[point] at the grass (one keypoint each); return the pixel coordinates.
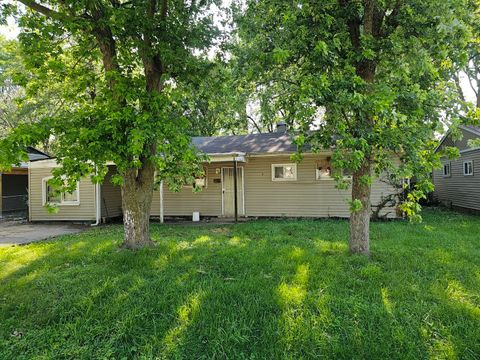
(259, 290)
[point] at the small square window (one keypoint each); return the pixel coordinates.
(284, 172)
(447, 170)
(198, 181)
(468, 168)
(324, 169)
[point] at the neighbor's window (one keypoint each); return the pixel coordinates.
(52, 196)
(284, 172)
(468, 168)
(446, 169)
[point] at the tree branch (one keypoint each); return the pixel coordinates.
(164, 9)
(456, 78)
(44, 10)
(475, 90)
(353, 24)
(392, 19)
(254, 123)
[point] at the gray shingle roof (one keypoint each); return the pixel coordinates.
(34, 154)
(270, 143)
(474, 129)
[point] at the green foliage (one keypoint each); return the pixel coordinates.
(125, 78)
(355, 205)
(257, 290)
(375, 94)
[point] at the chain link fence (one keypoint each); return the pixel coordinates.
(14, 206)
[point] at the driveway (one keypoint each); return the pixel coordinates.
(12, 233)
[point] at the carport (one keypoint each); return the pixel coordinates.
(14, 187)
(14, 191)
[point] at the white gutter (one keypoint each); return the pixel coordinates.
(222, 157)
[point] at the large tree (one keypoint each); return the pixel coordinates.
(372, 76)
(138, 60)
(470, 69)
(13, 108)
(26, 94)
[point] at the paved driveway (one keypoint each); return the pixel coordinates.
(22, 233)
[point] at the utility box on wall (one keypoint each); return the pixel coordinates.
(196, 216)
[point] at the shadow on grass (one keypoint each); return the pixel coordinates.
(268, 289)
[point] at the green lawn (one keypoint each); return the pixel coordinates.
(265, 289)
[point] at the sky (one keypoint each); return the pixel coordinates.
(11, 31)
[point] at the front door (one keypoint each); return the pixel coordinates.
(228, 192)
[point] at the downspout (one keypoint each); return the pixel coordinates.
(98, 207)
(161, 202)
(235, 186)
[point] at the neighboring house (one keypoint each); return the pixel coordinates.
(457, 183)
(269, 184)
(14, 185)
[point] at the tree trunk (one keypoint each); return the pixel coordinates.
(359, 242)
(137, 192)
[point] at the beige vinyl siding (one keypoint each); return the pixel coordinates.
(85, 211)
(111, 197)
(458, 189)
(183, 203)
(305, 197)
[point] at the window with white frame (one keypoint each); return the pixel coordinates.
(468, 168)
(447, 170)
(198, 182)
(52, 196)
(284, 172)
(325, 171)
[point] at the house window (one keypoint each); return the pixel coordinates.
(324, 169)
(198, 182)
(347, 173)
(284, 172)
(52, 196)
(447, 170)
(468, 168)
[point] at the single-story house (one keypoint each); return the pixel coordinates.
(268, 183)
(14, 185)
(457, 183)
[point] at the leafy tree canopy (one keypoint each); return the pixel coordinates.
(373, 76)
(131, 68)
